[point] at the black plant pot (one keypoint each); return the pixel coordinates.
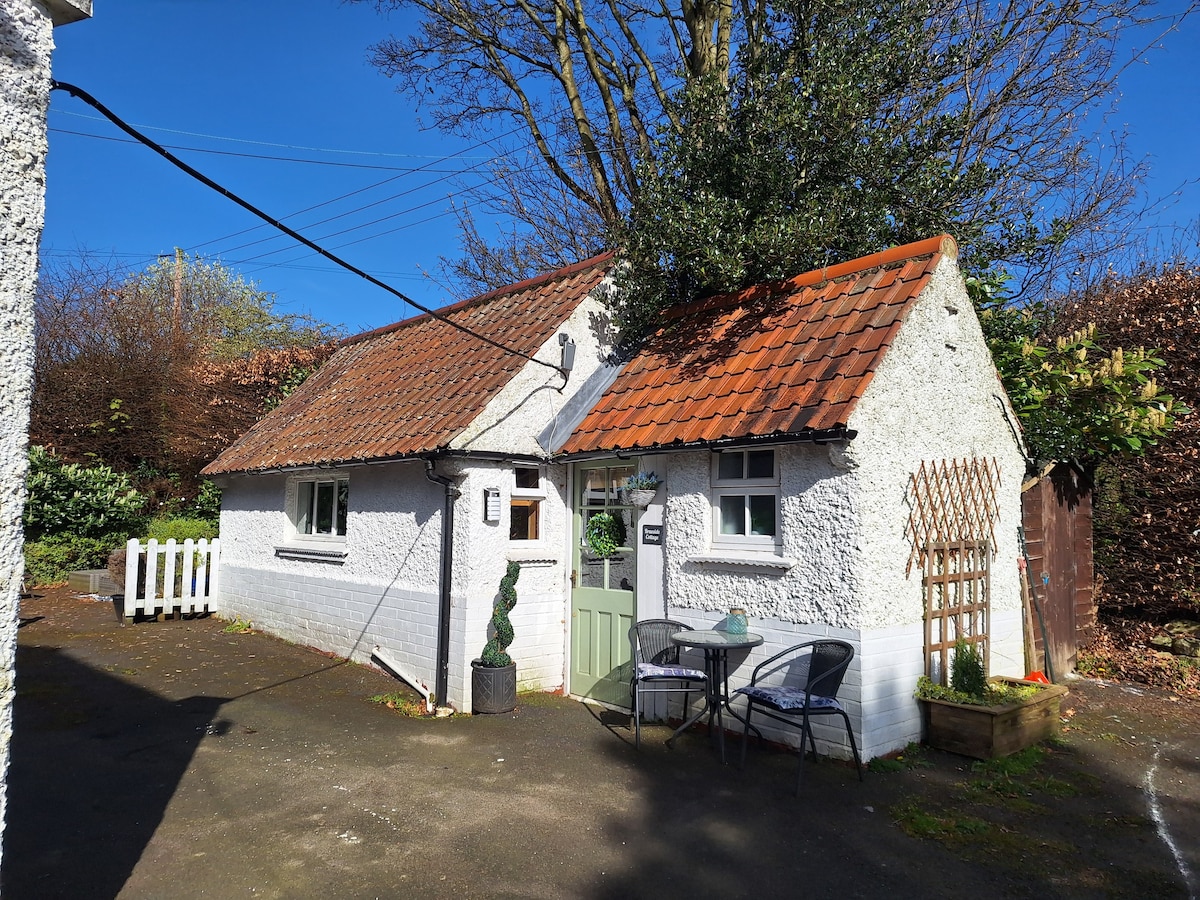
(493, 690)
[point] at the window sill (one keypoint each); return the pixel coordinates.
(333, 553)
(532, 557)
(737, 560)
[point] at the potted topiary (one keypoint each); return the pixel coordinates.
(494, 674)
(986, 717)
(640, 488)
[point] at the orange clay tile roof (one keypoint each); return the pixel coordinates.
(410, 388)
(774, 361)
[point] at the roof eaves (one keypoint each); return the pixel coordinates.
(834, 434)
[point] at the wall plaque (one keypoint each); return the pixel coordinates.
(652, 534)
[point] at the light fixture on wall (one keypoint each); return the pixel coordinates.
(491, 504)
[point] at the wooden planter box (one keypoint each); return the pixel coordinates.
(985, 732)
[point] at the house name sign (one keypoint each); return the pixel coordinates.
(652, 534)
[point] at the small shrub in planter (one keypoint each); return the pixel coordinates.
(987, 717)
(494, 674)
(966, 671)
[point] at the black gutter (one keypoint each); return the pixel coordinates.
(837, 434)
(442, 675)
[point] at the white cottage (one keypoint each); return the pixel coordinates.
(836, 453)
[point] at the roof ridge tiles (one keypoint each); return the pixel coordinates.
(903, 253)
(553, 278)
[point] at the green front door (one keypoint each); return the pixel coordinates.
(602, 596)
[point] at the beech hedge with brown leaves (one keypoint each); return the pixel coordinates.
(1147, 508)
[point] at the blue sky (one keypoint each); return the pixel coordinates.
(289, 79)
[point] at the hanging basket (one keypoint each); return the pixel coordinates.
(641, 497)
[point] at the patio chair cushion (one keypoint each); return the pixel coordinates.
(650, 670)
(788, 698)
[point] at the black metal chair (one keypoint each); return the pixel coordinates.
(827, 664)
(656, 668)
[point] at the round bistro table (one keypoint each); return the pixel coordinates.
(716, 646)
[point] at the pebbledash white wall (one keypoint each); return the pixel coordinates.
(382, 586)
(384, 590)
(26, 43)
(482, 552)
(844, 509)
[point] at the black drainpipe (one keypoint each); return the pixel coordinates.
(441, 687)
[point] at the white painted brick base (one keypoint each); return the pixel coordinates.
(339, 617)
(878, 689)
(349, 619)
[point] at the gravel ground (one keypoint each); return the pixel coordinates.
(170, 759)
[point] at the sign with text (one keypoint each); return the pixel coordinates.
(652, 534)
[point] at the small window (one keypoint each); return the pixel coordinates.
(745, 497)
(525, 504)
(321, 507)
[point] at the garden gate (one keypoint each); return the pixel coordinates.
(163, 579)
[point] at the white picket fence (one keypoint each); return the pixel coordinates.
(174, 578)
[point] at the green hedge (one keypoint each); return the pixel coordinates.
(69, 499)
(50, 560)
(181, 529)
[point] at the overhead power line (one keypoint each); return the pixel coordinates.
(234, 140)
(91, 101)
(388, 180)
(294, 159)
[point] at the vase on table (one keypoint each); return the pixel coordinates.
(736, 623)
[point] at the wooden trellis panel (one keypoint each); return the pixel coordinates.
(951, 526)
(952, 500)
(957, 585)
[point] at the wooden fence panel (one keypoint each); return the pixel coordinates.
(172, 578)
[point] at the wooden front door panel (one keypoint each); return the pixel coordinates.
(602, 596)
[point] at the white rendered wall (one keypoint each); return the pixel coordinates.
(844, 511)
(814, 596)
(386, 589)
(936, 396)
(26, 42)
(482, 551)
(820, 528)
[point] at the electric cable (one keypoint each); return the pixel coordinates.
(87, 98)
(366, 206)
(370, 237)
(146, 259)
(312, 162)
(234, 140)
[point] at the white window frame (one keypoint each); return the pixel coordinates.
(533, 496)
(745, 487)
(298, 519)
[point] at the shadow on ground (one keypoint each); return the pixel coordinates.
(94, 763)
(173, 760)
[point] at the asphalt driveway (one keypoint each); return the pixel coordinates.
(174, 760)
